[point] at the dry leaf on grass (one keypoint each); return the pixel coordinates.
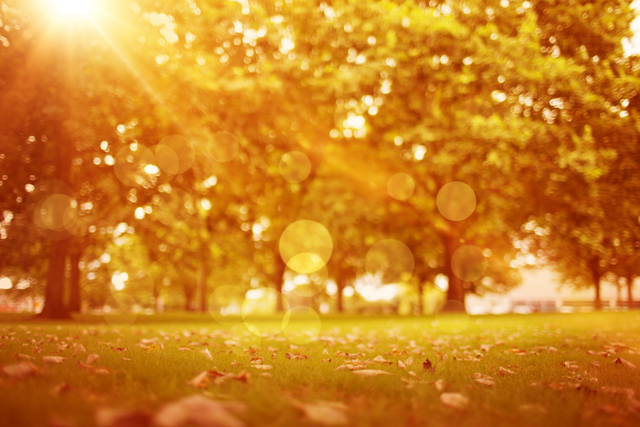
(92, 358)
(381, 359)
(441, 385)
(199, 411)
(263, 367)
(483, 379)
(572, 366)
(454, 400)
(322, 412)
(409, 361)
(504, 371)
(179, 348)
(21, 370)
(23, 357)
(113, 417)
(427, 366)
(401, 365)
(60, 389)
(53, 360)
(532, 407)
(206, 353)
(625, 363)
(365, 373)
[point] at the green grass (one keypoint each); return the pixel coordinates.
(152, 378)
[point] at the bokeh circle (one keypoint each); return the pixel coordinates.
(456, 201)
(305, 246)
(294, 166)
(392, 259)
(469, 263)
(260, 314)
(401, 186)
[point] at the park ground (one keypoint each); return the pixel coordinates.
(534, 370)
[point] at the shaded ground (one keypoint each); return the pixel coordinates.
(493, 371)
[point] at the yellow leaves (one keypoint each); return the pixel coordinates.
(454, 400)
(367, 373)
(323, 412)
(295, 356)
(21, 370)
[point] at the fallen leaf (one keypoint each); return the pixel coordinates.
(179, 348)
(370, 373)
(401, 365)
(21, 370)
(532, 407)
(201, 380)
(92, 358)
(53, 360)
(60, 389)
(112, 417)
(206, 353)
(441, 385)
(625, 363)
(409, 361)
(427, 366)
(263, 367)
(199, 411)
(454, 400)
(266, 375)
(380, 359)
(483, 379)
(322, 412)
(505, 371)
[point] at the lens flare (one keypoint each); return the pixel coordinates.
(391, 259)
(469, 263)
(305, 246)
(401, 186)
(295, 167)
(456, 201)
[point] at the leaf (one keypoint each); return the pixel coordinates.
(92, 358)
(427, 366)
(380, 359)
(179, 348)
(504, 371)
(454, 400)
(323, 412)
(53, 360)
(441, 385)
(199, 411)
(409, 361)
(112, 417)
(153, 347)
(21, 370)
(366, 373)
(263, 367)
(401, 365)
(201, 380)
(483, 379)
(60, 389)
(621, 361)
(206, 353)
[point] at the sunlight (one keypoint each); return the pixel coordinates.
(71, 7)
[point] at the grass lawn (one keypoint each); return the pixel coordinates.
(523, 381)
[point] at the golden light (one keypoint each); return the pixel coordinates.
(71, 7)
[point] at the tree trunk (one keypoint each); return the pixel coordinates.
(202, 286)
(54, 307)
(341, 283)
(74, 283)
(420, 297)
(455, 292)
(595, 275)
(188, 297)
(630, 291)
(278, 277)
